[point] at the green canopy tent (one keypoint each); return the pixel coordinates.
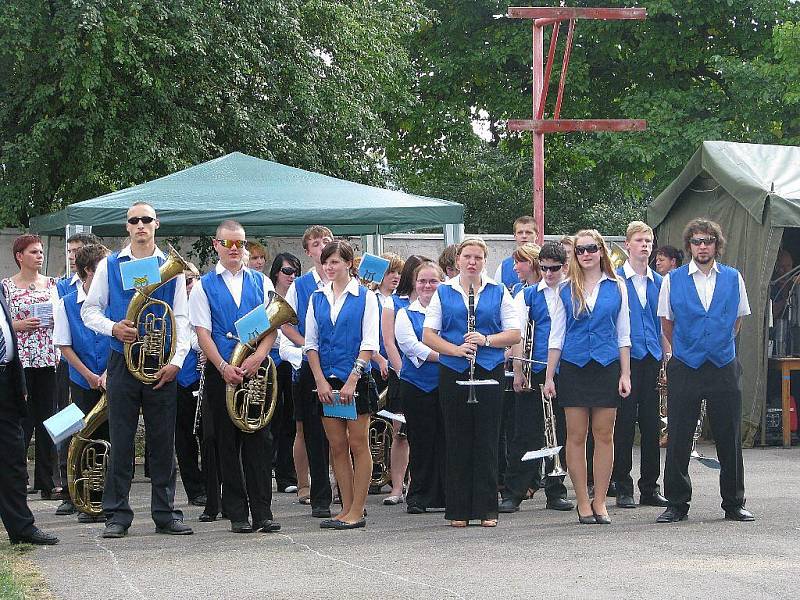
(266, 197)
(753, 192)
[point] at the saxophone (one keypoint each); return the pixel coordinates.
(87, 461)
(156, 344)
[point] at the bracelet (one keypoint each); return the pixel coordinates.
(359, 366)
(486, 341)
(222, 364)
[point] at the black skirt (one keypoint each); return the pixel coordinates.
(589, 386)
(366, 400)
(394, 397)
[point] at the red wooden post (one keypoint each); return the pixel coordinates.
(538, 137)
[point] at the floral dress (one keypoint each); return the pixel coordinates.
(36, 347)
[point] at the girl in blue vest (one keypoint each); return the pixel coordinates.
(419, 385)
(472, 430)
(404, 294)
(340, 337)
(592, 328)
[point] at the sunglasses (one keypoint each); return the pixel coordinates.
(590, 248)
(145, 220)
(289, 271)
(706, 240)
(551, 268)
(232, 243)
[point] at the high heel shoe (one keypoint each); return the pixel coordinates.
(600, 519)
(588, 520)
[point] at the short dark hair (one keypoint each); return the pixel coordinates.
(84, 238)
(22, 242)
(553, 251)
(707, 226)
(277, 263)
(343, 249)
(407, 281)
(448, 257)
(671, 252)
(86, 258)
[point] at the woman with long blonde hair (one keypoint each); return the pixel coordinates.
(591, 326)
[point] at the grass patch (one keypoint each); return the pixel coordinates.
(19, 578)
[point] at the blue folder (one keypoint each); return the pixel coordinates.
(252, 325)
(139, 272)
(339, 410)
(64, 423)
(372, 268)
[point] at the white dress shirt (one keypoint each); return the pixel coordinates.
(410, 345)
(369, 323)
(200, 309)
(509, 318)
(639, 281)
(291, 293)
(704, 284)
(96, 302)
(7, 332)
(289, 352)
(287, 349)
(558, 318)
(554, 306)
(62, 336)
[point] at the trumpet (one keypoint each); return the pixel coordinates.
(550, 439)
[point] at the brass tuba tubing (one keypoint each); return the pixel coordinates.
(87, 461)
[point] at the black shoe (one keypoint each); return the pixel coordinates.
(739, 514)
(339, 525)
(588, 520)
(241, 527)
(32, 490)
(508, 506)
(612, 490)
(49, 495)
(559, 504)
(66, 508)
(37, 536)
(84, 518)
(198, 500)
(207, 518)
(175, 527)
(114, 530)
(328, 523)
(672, 515)
(655, 499)
(414, 510)
(601, 519)
(321, 513)
(626, 501)
(268, 526)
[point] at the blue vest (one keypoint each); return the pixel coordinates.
(224, 312)
(189, 373)
(339, 344)
(382, 350)
(487, 322)
(508, 275)
(426, 376)
(645, 324)
(540, 314)
(593, 334)
(92, 348)
(118, 299)
(697, 335)
(303, 287)
(275, 355)
(64, 286)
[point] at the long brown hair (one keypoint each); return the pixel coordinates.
(577, 282)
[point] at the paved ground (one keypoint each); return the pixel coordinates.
(535, 553)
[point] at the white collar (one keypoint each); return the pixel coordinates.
(317, 278)
(219, 269)
(74, 279)
(627, 268)
(455, 283)
(353, 288)
(417, 307)
(81, 294)
(126, 251)
(693, 268)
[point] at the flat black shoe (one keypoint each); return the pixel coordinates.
(414, 510)
(84, 518)
(507, 506)
(37, 536)
(175, 527)
(672, 515)
(653, 500)
(241, 527)
(626, 501)
(328, 523)
(339, 525)
(66, 508)
(268, 526)
(207, 518)
(114, 530)
(588, 520)
(559, 504)
(739, 514)
(321, 513)
(198, 500)
(32, 490)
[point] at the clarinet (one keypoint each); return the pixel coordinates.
(471, 398)
(198, 411)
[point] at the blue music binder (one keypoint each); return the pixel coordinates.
(252, 325)
(339, 410)
(64, 423)
(139, 272)
(372, 268)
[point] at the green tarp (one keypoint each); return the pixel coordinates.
(753, 192)
(266, 197)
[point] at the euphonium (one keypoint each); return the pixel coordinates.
(617, 256)
(380, 446)
(155, 321)
(87, 460)
(252, 403)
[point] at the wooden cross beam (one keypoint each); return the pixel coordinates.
(538, 125)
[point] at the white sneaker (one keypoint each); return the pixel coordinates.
(393, 500)
(290, 489)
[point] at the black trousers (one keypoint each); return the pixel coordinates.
(283, 429)
(720, 388)
(472, 432)
(210, 460)
(244, 459)
(126, 396)
(528, 434)
(187, 447)
(86, 400)
(427, 446)
(41, 384)
(506, 433)
(642, 407)
(309, 411)
(62, 401)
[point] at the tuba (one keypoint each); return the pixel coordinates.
(252, 403)
(87, 461)
(380, 447)
(155, 321)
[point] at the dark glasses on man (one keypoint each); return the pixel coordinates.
(551, 268)
(289, 271)
(704, 240)
(145, 220)
(590, 248)
(232, 243)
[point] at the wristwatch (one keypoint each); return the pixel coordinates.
(486, 341)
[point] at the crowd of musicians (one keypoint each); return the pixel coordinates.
(561, 348)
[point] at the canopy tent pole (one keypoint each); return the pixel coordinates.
(373, 243)
(453, 233)
(69, 231)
